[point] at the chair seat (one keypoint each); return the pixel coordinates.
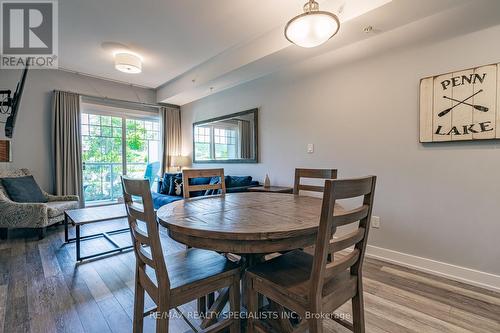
(57, 208)
(289, 275)
(187, 267)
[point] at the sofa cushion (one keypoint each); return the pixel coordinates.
(236, 181)
(176, 187)
(163, 199)
(213, 181)
(23, 189)
(167, 182)
(57, 208)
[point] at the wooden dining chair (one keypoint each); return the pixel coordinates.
(309, 284)
(175, 279)
(188, 174)
(314, 174)
(204, 303)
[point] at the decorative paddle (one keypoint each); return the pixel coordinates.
(477, 107)
(445, 112)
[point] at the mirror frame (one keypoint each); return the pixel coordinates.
(228, 116)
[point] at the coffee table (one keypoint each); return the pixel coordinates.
(83, 216)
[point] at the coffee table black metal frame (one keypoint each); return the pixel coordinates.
(69, 217)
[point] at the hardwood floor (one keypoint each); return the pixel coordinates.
(43, 290)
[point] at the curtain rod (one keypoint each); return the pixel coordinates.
(122, 101)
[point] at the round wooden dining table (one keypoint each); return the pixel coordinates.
(250, 224)
(244, 223)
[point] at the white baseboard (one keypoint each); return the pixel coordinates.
(457, 273)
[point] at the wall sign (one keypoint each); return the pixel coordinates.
(462, 105)
(5, 151)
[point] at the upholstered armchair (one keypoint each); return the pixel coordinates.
(31, 215)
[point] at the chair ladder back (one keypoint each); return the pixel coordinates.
(148, 239)
(330, 220)
(312, 174)
(188, 174)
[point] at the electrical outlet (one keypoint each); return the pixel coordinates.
(376, 222)
(310, 148)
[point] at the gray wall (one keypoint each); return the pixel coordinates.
(438, 201)
(32, 141)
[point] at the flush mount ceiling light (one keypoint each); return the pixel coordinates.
(128, 63)
(313, 27)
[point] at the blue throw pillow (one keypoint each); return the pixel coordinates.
(167, 182)
(227, 180)
(240, 181)
(23, 189)
(176, 187)
(213, 181)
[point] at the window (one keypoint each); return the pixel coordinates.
(202, 139)
(225, 143)
(114, 145)
(215, 142)
(143, 145)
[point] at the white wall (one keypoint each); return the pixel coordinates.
(32, 141)
(437, 201)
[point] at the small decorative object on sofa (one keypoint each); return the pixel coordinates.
(29, 212)
(171, 185)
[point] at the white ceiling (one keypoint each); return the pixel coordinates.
(172, 36)
(223, 43)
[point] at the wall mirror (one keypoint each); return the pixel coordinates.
(227, 139)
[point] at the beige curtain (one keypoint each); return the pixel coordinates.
(67, 144)
(171, 133)
(245, 139)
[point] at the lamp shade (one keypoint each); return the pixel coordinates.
(128, 63)
(180, 161)
(313, 27)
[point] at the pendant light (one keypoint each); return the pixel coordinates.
(313, 27)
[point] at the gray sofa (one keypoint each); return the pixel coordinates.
(31, 215)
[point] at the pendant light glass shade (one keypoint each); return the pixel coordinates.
(313, 27)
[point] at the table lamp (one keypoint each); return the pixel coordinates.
(5, 151)
(179, 162)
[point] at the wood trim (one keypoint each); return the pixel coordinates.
(426, 106)
(312, 174)
(193, 188)
(347, 240)
(311, 188)
(351, 216)
(137, 214)
(147, 284)
(332, 269)
(140, 235)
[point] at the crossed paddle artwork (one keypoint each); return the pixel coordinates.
(462, 105)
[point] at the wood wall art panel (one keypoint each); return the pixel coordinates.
(4, 151)
(462, 105)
